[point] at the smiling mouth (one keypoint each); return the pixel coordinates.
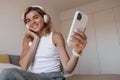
(34, 26)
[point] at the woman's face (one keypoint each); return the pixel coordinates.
(34, 21)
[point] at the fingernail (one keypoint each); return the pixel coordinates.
(72, 34)
(70, 38)
(68, 44)
(75, 30)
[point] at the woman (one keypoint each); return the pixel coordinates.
(44, 49)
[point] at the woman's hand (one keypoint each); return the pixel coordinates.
(28, 51)
(32, 34)
(78, 41)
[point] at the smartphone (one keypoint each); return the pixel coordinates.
(79, 22)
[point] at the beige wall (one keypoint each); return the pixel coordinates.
(11, 25)
(101, 55)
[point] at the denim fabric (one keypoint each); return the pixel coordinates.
(16, 74)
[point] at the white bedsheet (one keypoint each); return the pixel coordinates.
(6, 65)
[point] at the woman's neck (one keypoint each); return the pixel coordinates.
(40, 33)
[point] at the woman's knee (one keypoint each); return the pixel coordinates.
(4, 74)
(7, 72)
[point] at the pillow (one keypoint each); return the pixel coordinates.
(4, 58)
(6, 65)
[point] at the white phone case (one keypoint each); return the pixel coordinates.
(79, 22)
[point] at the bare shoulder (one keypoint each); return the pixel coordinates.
(57, 37)
(57, 34)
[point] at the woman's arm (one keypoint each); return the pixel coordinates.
(27, 51)
(78, 43)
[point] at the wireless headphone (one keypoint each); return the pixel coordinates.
(45, 16)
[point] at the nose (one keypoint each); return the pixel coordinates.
(32, 21)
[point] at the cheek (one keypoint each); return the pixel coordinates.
(41, 20)
(41, 23)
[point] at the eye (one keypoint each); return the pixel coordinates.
(36, 17)
(27, 21)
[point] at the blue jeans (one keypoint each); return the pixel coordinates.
(16, 74)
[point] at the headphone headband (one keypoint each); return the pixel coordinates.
(40, 7)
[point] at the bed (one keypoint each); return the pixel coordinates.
(11, 61)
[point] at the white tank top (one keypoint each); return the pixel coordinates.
(47, 57)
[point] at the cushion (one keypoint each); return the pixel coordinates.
(4, 58)
(14, 59)
(7, 65)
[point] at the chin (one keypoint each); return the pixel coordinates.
(35, 30)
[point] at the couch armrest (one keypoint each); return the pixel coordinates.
(14, 59)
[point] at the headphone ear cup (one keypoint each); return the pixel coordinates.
(46, 18)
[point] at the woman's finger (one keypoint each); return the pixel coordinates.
(77, 32)
(79, 38)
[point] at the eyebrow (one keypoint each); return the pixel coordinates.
(36, 15)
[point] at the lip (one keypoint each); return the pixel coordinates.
(34, 27)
